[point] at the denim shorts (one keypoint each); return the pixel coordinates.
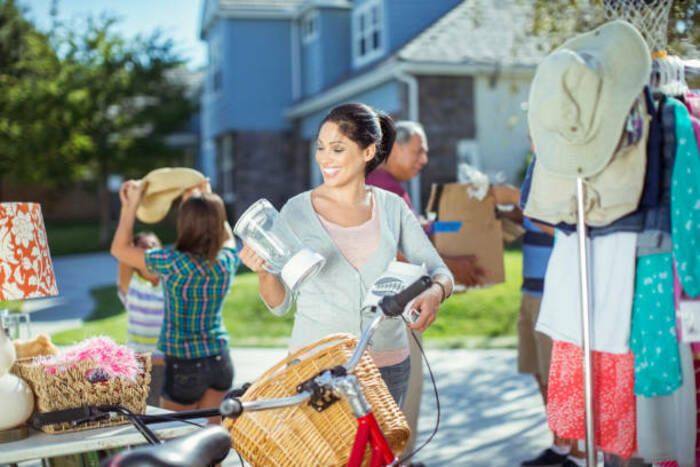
(186, 380)
(396, 379)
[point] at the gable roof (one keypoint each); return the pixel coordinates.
(475, 36)
(480, 32)
(249, 9)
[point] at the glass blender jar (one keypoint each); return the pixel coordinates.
(261, 228)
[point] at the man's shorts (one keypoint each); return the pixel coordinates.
(534, 348)
(186, 380)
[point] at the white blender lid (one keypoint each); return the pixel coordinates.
(304, 264)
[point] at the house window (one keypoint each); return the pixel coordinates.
(368, 32)
(215, 74)
(309, 27)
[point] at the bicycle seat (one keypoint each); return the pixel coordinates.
(204, 447)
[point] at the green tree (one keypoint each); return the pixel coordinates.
(83, 102)
(559, 19)
(122, 101)
(27, 66)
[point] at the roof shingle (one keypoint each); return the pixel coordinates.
(480, 31)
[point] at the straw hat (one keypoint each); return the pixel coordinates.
(581, 95)
(162, 187)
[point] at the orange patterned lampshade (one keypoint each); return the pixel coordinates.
(26, 270)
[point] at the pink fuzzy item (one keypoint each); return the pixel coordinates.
(116, 360)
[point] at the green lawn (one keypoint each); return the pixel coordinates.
(11, 305)
(476, 318)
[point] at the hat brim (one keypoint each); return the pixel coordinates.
(626, 66)
(163, 186)
(153, 208)
(167, 178)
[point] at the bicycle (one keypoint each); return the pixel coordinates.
(212, 444)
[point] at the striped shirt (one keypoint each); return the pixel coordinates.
(194, 297)
(537, 247)
(144, 310)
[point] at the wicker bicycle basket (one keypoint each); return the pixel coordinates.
(300, 435)
(67, 387)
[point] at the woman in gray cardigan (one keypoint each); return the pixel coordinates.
(359, 230)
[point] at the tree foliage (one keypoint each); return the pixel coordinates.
(83, 102)
(27, 66)
(559, 19)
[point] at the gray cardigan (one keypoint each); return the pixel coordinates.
(330, 302)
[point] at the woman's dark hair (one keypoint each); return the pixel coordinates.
(365, 126)
(200, 226)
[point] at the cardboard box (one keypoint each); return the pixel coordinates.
(466, 225)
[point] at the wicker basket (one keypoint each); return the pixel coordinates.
(69, 388)
(301, 436)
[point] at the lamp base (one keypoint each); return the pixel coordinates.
(14, 434)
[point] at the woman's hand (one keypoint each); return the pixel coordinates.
(427, 304)
(130, 193)
(251, 259)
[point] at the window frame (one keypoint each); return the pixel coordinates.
(371, 29)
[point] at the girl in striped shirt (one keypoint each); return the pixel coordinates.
(142, 295)
(141, 292)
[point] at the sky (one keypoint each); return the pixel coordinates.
(177, 19)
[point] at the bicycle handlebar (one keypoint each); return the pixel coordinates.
(393, 305)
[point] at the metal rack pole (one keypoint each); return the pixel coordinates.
(591, 459)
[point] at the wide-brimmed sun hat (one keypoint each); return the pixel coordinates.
(581, 95)
(162, 187)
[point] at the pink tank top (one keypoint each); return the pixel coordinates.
(357, 242)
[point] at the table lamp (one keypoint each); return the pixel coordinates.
(26, 271)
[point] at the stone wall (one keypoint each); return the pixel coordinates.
(270, 165)
(446, 107)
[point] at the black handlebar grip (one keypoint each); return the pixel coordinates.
(393, 305)
(231, 407)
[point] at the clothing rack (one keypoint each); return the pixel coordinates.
(691, 67)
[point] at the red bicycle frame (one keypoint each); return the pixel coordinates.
(369, 433)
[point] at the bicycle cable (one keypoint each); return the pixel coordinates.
(240, 458)
(437, 400)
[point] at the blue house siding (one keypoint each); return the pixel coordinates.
(404, 19)
(336, 51)
(326, 58)
(258, 73)
(311, 66)
(385, 97)
(256, 66)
